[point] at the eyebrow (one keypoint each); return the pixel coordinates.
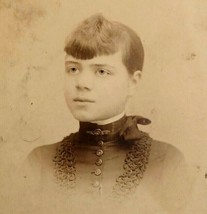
(103, 65)
(96, 64)
(72, 62)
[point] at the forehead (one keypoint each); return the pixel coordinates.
(114, 60)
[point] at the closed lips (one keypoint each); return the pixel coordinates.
(83, 100)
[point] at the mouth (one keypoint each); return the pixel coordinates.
(83, 100)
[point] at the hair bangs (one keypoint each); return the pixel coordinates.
(84, 48)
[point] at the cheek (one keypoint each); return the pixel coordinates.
(66, 91)
(68, 88)
(68, 97)
(115, 92)
(121, 87)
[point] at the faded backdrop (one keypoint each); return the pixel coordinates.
(172, 92)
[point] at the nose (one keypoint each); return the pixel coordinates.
(85, 81)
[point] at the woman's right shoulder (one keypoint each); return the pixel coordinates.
(45, 153)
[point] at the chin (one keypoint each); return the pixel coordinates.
(84, 118)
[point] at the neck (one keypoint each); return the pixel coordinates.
(110, 120)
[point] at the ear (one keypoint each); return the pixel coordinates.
(134, 82)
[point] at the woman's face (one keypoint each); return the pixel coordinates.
(98, 88)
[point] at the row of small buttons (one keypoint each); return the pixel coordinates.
(99, 161)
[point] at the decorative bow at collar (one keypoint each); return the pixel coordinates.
(125, 128)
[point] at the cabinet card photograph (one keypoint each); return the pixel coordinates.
(103, 107)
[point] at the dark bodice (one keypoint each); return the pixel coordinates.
(111, 161)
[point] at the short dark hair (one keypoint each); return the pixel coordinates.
(98, 36)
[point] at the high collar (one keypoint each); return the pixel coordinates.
(124, 129)
(92, 132)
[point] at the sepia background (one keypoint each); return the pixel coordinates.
(172, 92)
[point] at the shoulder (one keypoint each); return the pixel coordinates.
(166, 159)
(39, 163)
(161, 151)
(44, 154)
(167, 176)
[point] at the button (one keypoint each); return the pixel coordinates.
(97, 172)
(99, 152)
(100, 143)
(99, 162)
(97, 132)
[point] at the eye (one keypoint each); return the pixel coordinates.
(103, 72)
(72, 70)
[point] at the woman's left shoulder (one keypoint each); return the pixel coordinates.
(165, 152)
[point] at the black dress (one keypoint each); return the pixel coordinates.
(114, 164)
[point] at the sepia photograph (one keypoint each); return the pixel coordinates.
(103, 107)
